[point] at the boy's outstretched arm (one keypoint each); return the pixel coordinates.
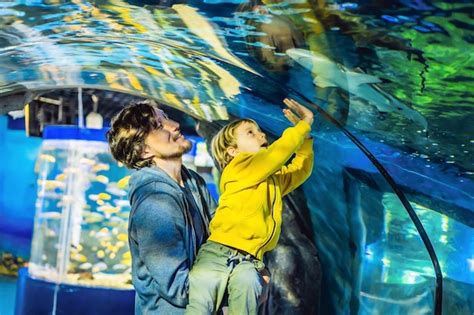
(254, 168)
(300, 168)
(297, 172)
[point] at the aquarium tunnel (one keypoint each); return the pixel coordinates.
(384, 224)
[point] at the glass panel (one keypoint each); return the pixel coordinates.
(80, 234)
(454, 245)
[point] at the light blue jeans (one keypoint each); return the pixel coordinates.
(218, 267)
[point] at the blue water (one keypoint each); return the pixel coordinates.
(7, 293)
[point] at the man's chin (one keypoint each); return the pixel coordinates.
(187, 146)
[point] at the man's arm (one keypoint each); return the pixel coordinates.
(159, 226)
(300, 168)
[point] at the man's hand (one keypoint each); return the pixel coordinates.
(266, 286)
(296, 112)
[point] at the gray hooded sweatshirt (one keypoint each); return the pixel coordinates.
(162, 238)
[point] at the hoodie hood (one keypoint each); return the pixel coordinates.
(146, 180)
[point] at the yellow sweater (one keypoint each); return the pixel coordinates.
(252, 186)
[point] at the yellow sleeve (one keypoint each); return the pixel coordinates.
(300, 168)
(254, 168)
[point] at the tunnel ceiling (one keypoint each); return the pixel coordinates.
(398, 72)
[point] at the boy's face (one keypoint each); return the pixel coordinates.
(166, 142)
(249, 138)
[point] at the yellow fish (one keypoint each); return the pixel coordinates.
(79, 257)
(60, 177)
(122, 237)
(102, 179)
(51, 184)
(101, 167)
(123, 183)
(47, 158)
(107, 208)
(104, 196)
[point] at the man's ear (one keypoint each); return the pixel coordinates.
(146, 154)
(232, 151)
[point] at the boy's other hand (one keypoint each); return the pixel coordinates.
(296, 112)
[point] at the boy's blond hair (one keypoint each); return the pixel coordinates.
(224, 139)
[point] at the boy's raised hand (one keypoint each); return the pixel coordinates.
(296, 112)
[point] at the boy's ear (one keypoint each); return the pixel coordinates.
(232, 151)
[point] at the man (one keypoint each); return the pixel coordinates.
(171, 206)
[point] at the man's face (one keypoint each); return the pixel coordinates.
(166, 141)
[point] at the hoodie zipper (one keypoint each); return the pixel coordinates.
(273, 219)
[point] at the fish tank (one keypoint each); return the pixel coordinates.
(81, 221)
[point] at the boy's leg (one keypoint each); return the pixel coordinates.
(245, 287)
(207, 280)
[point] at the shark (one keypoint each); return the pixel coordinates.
(328, 73)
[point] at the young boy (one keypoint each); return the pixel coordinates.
(247, 222)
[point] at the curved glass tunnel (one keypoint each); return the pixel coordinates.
(397, 76)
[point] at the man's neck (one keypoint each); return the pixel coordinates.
(172, 167)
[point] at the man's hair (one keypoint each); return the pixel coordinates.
(128, 131)
(224, 139)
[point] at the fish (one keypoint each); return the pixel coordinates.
(114, 190)
(60, 177)
(50, 215)
(122, 237)
(100, 167)
(99, 267)
(104, 196)
(122, 203)
(119, 267)
(85, 266)
(102, 179)
(328, 73)
(47, 158)
(107, 208)
(116, 221)
(123, 183)
(92, 217)
(51, 184)
(78, 257)
(202, 28)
